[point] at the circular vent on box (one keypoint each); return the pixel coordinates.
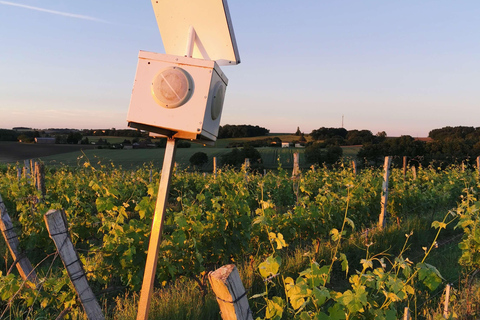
(217, 101)
(172, 87)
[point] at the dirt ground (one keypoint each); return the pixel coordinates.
(16, 151)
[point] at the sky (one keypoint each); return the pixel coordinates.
(403, 67)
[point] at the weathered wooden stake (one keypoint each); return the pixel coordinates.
(414, 171)
(296, 165)
(247, 165)
(150, 179)
(354, 167)
(56, 222)
(26, 172)
(447, 299)
(230, 293)
(215, 168)
(478, 165)
(406, 314)
(40, 178)
(383, 214)
(19, 173)
(156, 234)
(24, 267)
(463, 166)
(404, 167)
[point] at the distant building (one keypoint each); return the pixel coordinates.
(285, 144)
(45, 140)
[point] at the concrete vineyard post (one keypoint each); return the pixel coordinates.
(156, 234)
(230, 292)
(56, 222)
(384, 199)
(24, 267)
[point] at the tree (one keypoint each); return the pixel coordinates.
(198, 159)
(298, 132)
(318, 154)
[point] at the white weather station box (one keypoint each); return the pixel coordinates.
(180, 94)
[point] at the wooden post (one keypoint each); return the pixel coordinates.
(414, 171)
(463, 166)
(406, 314)
(354, 167)
(386, 176)
(24, 267)
(404, 167)
(150, 179)
(32, 170)
(215, 168)
(156, 234)
(230, 293)
(26, 170)
(478, 165)
(19, 173)
(296, 165)
(447, 299)
(56, 222)
(40, 178)
(247, 165)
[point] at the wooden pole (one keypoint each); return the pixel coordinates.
(384, 199)
(26, 170)
(406, 314)
(354, 167)
(247, 165)
(24, 267)
(56, 222)
(404, 167)
(215, 168)
(447, 299)
(478, 165)
(414, 171)
(296, 165)
(19, 173)
(40, 173)
(156, 234)
(230, 293)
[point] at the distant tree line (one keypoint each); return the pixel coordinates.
(241, 131)
(449, 145)
(342, 137)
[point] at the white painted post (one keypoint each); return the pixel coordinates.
(447, 299)
(156, 234)
(24, 267)
(56, 222)
(383, 214)
(230, 292)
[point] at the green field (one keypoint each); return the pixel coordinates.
(72, 155)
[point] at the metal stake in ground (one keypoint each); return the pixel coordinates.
(156, 234)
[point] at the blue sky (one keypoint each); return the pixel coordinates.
(404, 67)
